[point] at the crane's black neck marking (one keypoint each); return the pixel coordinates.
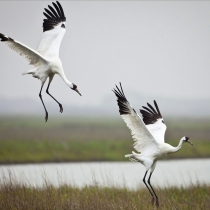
(74, 87)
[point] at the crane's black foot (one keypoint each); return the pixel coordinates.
(61, 108)
(153, 201)
(157, 203)
(46, 116)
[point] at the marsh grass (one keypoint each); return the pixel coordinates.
(16, 195)
(21, 197)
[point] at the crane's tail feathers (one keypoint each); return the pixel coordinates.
(131, 157)
(133, 160)
(31, 71)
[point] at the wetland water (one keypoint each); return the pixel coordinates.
(129, 174)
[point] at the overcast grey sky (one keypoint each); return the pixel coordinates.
(158, 48)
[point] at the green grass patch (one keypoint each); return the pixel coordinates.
(23, 151)
(30, 140)
(53, 151)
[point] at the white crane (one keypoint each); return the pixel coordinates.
(148, 134)
(45, 58)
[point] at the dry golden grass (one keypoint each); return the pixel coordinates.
(95, 198)
(22, 197)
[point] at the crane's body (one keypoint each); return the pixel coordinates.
(45, 58)
(149, 157)
(148, 133)
(51, 67)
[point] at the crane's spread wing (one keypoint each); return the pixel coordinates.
(53, 30)
(154, 121)
(31, 55)
(141, 135)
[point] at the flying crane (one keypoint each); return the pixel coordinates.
(45, 58)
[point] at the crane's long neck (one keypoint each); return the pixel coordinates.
(63, 76)
(175, 149)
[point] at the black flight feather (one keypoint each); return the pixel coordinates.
(122, 101)
(157, 107)
(149, 110)
(49, 18)
(54, 12)
(57, 9)
(5, 38)
(61, 9)
(50, 14)
(54, 16)
(154, 111)
(150, 115)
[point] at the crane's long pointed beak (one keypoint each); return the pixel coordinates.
(78, 92)
(190, 142)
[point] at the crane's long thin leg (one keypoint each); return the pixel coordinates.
(46, 113)
(157, 201)
(148, 188)
(47, 91)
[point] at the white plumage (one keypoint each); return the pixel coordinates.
(45, 58)
(148, 133)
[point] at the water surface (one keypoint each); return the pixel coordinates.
(120, 174)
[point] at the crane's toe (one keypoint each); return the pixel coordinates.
(46, 116)
(61, 108)
(157, 203)
(153, 201)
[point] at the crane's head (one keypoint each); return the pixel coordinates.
(186, 139)
(75, 89)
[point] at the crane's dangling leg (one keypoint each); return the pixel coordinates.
(153, 199)
(157, 201)
(47, 91)
(46, 113)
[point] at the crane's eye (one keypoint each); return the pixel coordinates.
(163, 121)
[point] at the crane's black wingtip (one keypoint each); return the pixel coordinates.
(121, 100)
(2, 37)
(54, 15)
(5, 38)
(150, 114)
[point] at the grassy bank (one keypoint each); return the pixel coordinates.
(25, 140)
(91, 198)
(104, 150)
